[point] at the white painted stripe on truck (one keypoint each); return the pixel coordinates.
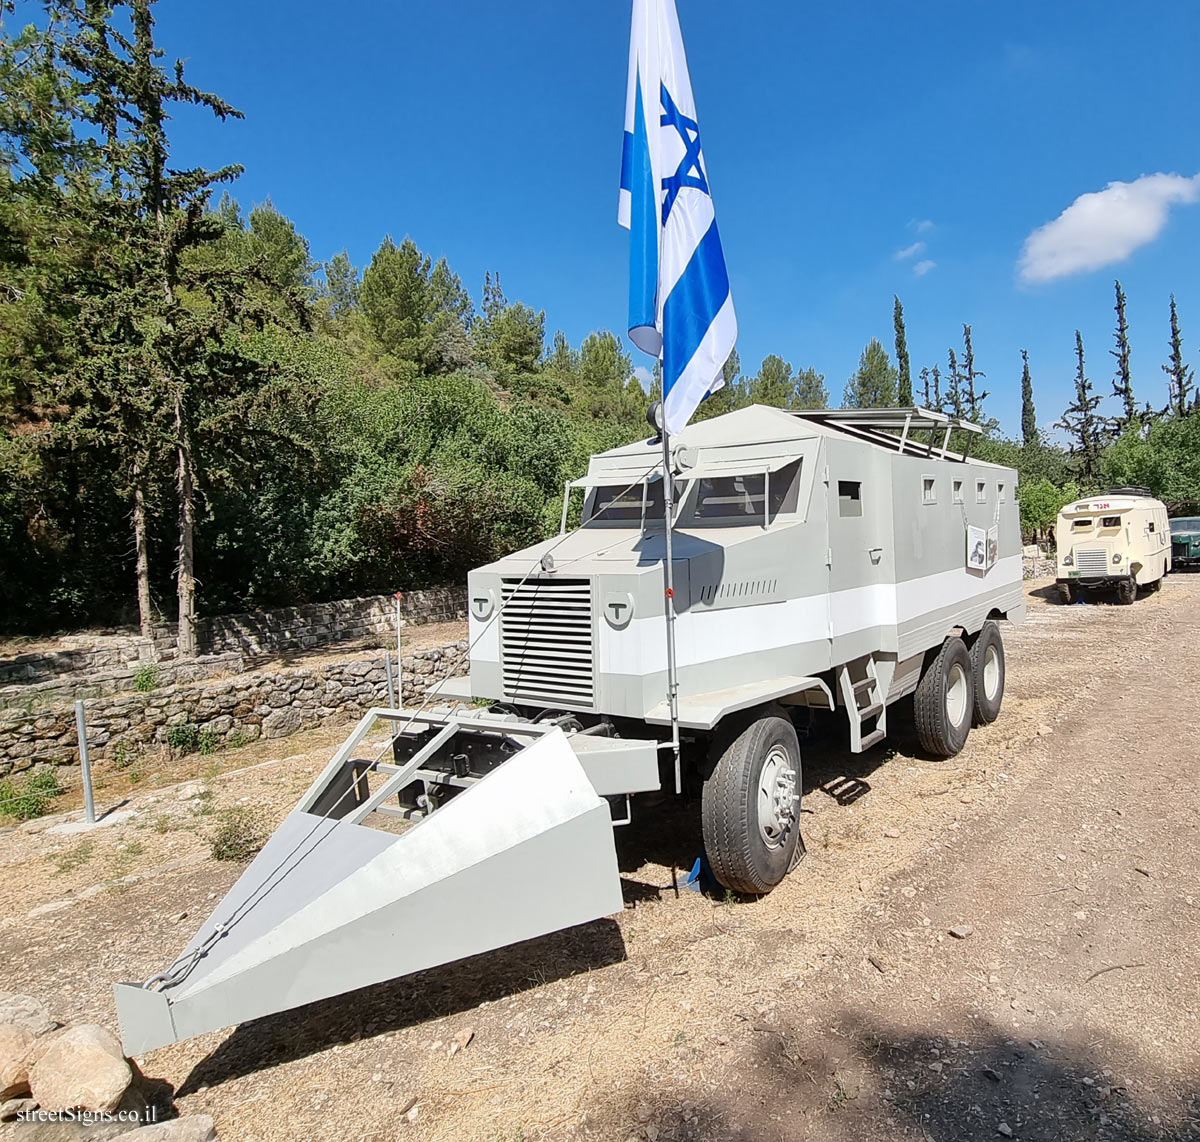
(708, 636)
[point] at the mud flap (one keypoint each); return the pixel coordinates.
(329, 906)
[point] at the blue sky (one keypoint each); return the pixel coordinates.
(836, 136)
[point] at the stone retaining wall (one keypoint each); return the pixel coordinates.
(36, 696)
(366, 622)
(268, 704)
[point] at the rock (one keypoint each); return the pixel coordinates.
(191, 1128)
(14, 1106)
(464, 1037)
(1044, 730)
(891, 834)
(988, 1073)
(280, 723)
(177, 917)
(643, 1113)
(15, 1042)
(1004, 1129)
(190, 790)
(962, 931)
(908, 892)
(83, 1067)
(27, 1012)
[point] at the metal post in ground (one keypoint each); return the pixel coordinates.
(399, 656)
(387, 665)
(89, 803)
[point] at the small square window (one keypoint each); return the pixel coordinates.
(849, 498)
(981, 491)
(928, 490)
(958, 491)
(1000, 493)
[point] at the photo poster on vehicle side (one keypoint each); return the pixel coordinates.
(993, 546)
(976, 549)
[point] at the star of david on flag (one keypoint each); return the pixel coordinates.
(680, 306)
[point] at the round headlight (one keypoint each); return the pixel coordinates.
(1117, 557)
(1068, 560)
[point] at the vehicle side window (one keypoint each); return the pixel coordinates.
(1000, 493)
(1152, 525)
(1111, 521)
(928, 490)
(958, 491)
(981, 491)
(849, 498)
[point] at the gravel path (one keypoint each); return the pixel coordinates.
(1064, 837)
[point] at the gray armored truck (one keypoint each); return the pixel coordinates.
(821, 559)
(834, 560)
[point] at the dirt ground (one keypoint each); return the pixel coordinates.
(840, 1007)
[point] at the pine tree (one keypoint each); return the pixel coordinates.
(974, 400)
(955, 403)
(1179, 375)
(904, 389)
(775, 383)
(161, 378)
(1088, 431)
(1123, 381)
(341, 285)
(1029, 428)
(874, 383)
(808, 390)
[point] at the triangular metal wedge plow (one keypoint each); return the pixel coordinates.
(331, 905)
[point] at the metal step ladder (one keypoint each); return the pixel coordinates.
(864, 699)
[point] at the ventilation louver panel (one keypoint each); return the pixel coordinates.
(1091, 562)
(546, 642)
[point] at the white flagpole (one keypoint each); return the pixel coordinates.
(669, 592)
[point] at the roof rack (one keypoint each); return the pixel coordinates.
(879, 425)
(1130, 490)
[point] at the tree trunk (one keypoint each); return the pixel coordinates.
(186, 633)
(145, 618)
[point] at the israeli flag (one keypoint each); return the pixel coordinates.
(680, 307)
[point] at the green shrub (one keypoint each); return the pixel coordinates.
(185, 737)
(239, 835)
(145, 678)
(124, 755)
(237, 739)
(30, 798)
(44, 780)
(188, 738)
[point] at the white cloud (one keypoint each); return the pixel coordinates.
(910, 251)
(922, 268)
(645, 376)
(1104, 226)
(923, 226)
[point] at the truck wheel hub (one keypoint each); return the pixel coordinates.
(776, 797)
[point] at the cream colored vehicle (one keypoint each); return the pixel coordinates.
(1120, 541)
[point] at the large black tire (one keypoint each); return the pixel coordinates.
(987, 673)
(943, 703)
(1068, 592)
(1126, 591)
(751, 833)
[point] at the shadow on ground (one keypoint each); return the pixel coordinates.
(414, 999)
(861, 1080)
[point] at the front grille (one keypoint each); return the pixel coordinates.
(1181, 548)
(546, 642)
(1091, 562)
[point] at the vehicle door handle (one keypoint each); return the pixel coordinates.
(876, 553)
